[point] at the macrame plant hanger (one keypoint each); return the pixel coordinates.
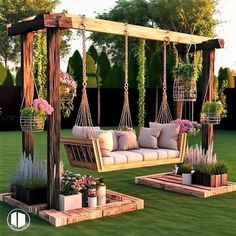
(164, 115)
(126, 120)
(84, 115)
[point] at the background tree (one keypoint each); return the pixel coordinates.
(13, 10)
(178, 15)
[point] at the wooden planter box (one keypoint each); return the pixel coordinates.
(209, 180)
(29, 196)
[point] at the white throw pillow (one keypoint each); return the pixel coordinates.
(148, 137)
(126, 140)
(83, 131)
(169, 135)
(105, 141)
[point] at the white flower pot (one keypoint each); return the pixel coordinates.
(101, 194)
(70, 202)
(92, 201)
(186, 178)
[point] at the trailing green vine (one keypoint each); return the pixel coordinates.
(41, 64)
(141, 83)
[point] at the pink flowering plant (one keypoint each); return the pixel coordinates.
(187, 126)
(40, 109)
(67, 93)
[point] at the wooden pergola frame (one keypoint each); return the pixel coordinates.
(53, 23)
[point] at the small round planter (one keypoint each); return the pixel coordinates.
(92, 201)
(187, 178)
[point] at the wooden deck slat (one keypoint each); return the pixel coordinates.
(171, 182)
(118, 203)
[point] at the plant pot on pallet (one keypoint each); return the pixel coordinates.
(223, 179)
(101, 195)
(92, 201)
(187, 178)
(29, 196)
(70, 202)
(197, 178)
(211, 180)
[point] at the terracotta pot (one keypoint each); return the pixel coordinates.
(223, 181)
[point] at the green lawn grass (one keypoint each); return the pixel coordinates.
(165, 213)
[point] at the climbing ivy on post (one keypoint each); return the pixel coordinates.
(141, 83)
(41, 63)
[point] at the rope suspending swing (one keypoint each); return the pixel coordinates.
(164, 115)
(126, 120)
(84, 115)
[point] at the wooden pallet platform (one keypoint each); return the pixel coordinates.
(117, 203)
(171, 182)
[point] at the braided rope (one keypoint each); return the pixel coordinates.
(164, 115)
(84, 115)
(126, 120)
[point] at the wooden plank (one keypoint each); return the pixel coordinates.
(27, 87)
(170, 182)
(54, 120)
(2, 195)
(210, 44)
(208, 93)
(117, 28)
(102, 26)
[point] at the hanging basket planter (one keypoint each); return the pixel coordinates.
(32, 123)
(210, 118)
(67, 87)
(32, 118)
(212, 112)
(185, 86)
(184, 90)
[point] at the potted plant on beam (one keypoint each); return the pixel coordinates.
(101, 191)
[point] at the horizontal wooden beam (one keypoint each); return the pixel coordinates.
(103, 26)
(117, 28)
(210, 44)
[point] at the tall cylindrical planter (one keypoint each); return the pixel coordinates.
(101, 195)
(92, 201)
(186, 178)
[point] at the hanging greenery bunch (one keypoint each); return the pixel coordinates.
(186, 70)
(141, 83)
(41, 77)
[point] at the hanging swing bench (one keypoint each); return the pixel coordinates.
(87, 153)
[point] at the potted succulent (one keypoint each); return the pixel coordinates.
(185, 77)
(67, 93)
(33, 117)
(70, 197)
(186, 170)
(212, 112)
(101, 191)
(29, 182)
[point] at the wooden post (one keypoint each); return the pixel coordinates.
(208, 75)
(54, 120)
(27, 87)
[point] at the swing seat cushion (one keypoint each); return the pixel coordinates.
(139, 155)
(169, 135)
(148, 137)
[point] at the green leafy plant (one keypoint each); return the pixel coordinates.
(211, 168)
(187, 71)
(141, 83)
(185, 167)
(214, 107)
